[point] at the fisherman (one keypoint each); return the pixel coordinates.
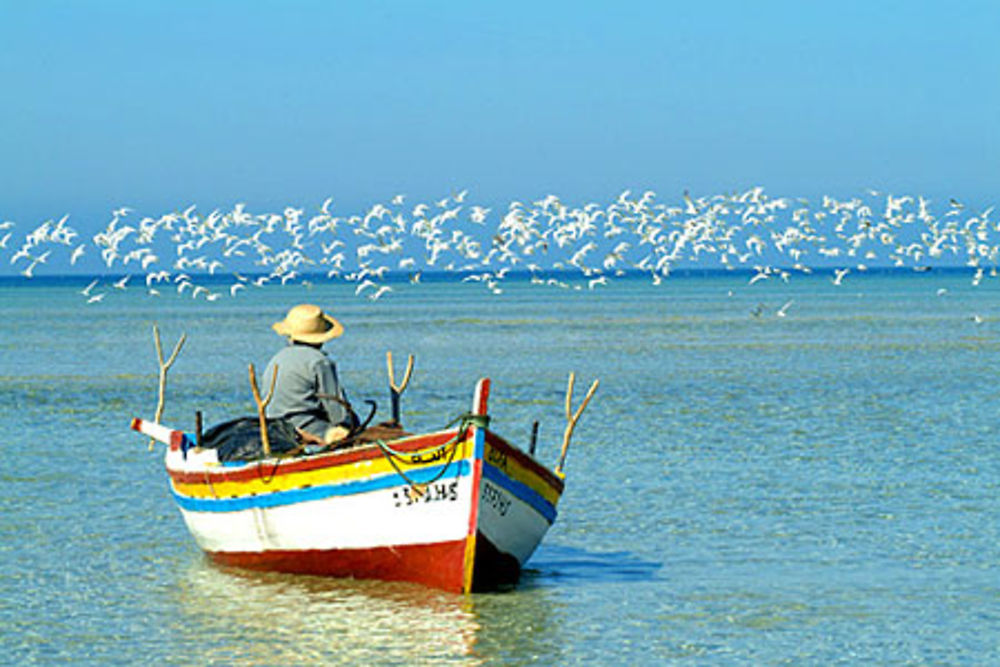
(307, 391)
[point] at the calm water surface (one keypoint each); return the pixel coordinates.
(820, 487)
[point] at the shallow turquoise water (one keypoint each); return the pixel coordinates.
(821, 487)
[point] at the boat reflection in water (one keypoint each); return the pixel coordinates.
(236, 616)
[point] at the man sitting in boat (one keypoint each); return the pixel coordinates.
(307, 391)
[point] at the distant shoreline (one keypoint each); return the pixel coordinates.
(513, 276)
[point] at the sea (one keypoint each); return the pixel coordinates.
(776, 473)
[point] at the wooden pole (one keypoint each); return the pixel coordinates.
(572, 418)
(262, 405)
(197, 428)
(164, 367)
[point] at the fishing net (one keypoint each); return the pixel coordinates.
(239, 439)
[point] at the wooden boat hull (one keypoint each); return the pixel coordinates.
(459, 510)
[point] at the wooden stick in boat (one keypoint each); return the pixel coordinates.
(262, 405)
(164, 367)
(395, 390)
(572, 418)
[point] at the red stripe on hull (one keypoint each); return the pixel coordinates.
(435, 565)
(258, 469)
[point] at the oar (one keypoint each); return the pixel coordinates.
(396, 390)
(262, 405)
(571, 418)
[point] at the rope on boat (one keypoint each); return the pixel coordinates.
(211, 487)
(464, 421)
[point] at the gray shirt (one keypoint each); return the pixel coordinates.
(307, 379)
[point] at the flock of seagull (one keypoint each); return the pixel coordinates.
(221, 253)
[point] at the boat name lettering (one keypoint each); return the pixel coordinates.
(436, 455)
(497, 458)
(442, 491)
(495, 499)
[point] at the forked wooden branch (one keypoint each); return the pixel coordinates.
(262, 406)
(396, 390)
(406, 376)
(164, 367)
(573, 417)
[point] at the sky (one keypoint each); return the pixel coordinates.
(157, 104)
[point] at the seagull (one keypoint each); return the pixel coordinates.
(96, 298)
(20, 254)
(591, 284)
(156, 277)
(783, 311)
(379, 292)
(86, 290)
(76, 254)
(121, 283)
(478, 214)
(838, 275)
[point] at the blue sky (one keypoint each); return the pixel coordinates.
(158, 105)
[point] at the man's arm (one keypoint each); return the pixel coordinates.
(331, 395)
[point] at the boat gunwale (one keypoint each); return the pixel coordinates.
(248, 470)
(526, 460)
(251, 470)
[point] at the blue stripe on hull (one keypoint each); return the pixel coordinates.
(520, 491)
(290, 497)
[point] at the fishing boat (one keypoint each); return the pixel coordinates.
(460, 509)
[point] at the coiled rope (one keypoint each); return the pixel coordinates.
(464, 421)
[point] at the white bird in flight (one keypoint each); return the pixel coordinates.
(377, 294)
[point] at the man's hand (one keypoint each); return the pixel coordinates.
(308, 438)
(335, 434)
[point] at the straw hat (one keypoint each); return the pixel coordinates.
(309, 324)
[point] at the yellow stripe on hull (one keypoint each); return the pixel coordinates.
(266, 483)
(510, 466)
